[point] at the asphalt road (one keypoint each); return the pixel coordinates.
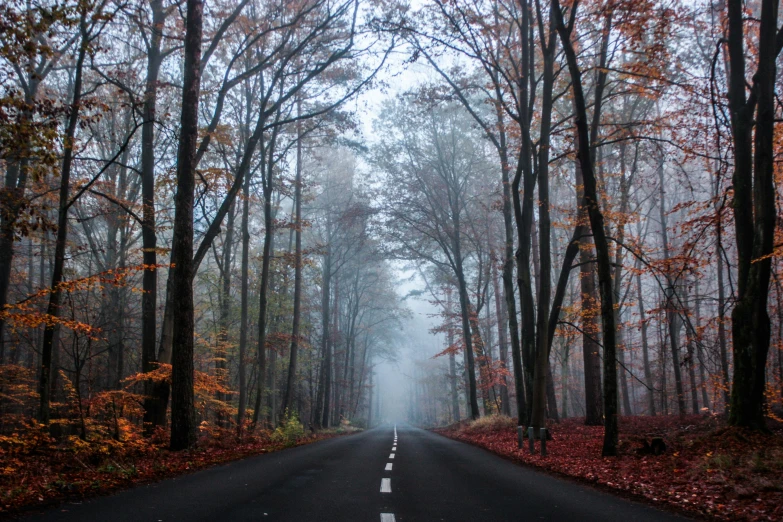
(363, 477)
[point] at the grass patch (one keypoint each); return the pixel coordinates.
(491, 423)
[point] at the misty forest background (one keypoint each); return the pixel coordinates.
(217, 216)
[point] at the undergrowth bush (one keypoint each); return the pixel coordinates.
(290, 429)
(491, 423)
(346, 426)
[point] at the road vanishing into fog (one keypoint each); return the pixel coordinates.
(387, 474)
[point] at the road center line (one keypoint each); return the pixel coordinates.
(394, 448)
(388, 466)
(386, 485)
(391, 456)
(387, 517)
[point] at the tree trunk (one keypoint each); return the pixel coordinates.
(594, 411)
(627, 410)
(482, 358)
(565, 376)
(464, 303)
(599, 235)
(149, 283)
(542, 377)
(294, 351)
(692, 377)
(12, 197)
(648, 380)
(53, 310)
(700, 350)
(161, 390)
(324, 388)
(221, 355)
(625, 186)
(722, 341)
(244, 305)
(672, 310)
(336, 384)
(505, 407)
(508, 293)
(664, 391)
(183, 415)
(369, 402)
(523, 212)
(268, 178)
(754, 208)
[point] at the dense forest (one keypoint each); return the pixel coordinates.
(209, 209)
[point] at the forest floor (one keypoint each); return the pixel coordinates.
(38, 472)
(707, 469)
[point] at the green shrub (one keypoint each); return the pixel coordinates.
(290, 429)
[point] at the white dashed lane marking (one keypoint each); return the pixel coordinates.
(386, 482)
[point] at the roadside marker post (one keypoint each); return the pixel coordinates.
(520, 437)
(531, 435)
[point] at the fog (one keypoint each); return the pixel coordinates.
(416, 346)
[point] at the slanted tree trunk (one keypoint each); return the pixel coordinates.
(594, 410)
(599, 235)
(508, 280)
(464, 303)
(55, 295)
